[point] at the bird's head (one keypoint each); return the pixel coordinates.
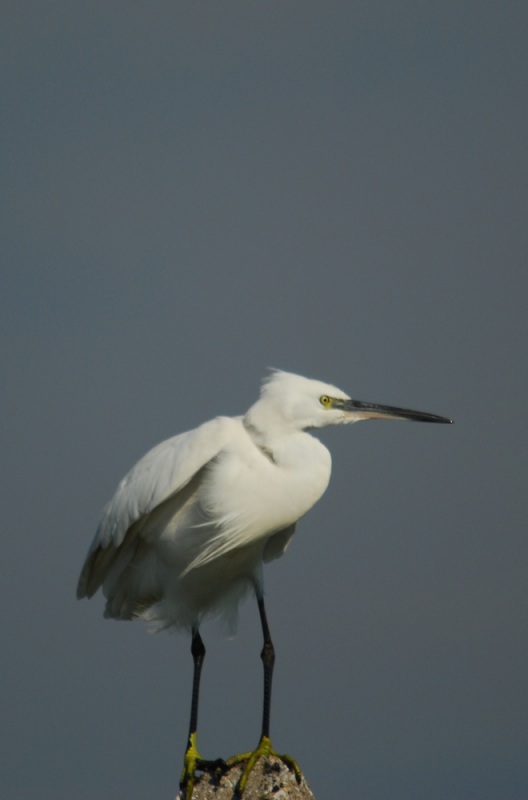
(292, 402)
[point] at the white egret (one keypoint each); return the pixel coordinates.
(189, 528)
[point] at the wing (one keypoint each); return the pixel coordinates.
(161, 473)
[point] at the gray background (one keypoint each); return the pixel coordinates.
(195, 192)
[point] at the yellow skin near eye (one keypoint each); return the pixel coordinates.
(326, 401)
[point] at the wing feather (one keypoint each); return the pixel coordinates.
(161, 473)
(227, 541)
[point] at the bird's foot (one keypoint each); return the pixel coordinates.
(193, 763)
(263, 750)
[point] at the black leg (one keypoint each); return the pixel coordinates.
(264, 748)
(198, 654)
(192, 760)
(268, 659)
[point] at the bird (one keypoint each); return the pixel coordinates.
(190, 527)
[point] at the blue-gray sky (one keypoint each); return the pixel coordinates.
(194, 192)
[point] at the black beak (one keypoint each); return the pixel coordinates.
(360, 410)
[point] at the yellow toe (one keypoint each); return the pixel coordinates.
(263, 750)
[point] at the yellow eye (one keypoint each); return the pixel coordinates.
(325, 401)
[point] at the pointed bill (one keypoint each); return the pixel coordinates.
(359, 410)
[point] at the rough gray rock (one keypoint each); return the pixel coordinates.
(269, 780)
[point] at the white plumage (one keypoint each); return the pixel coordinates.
(190, 526)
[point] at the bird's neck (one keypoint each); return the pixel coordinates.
(264, 427)
(263, 438)
(278, 441)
